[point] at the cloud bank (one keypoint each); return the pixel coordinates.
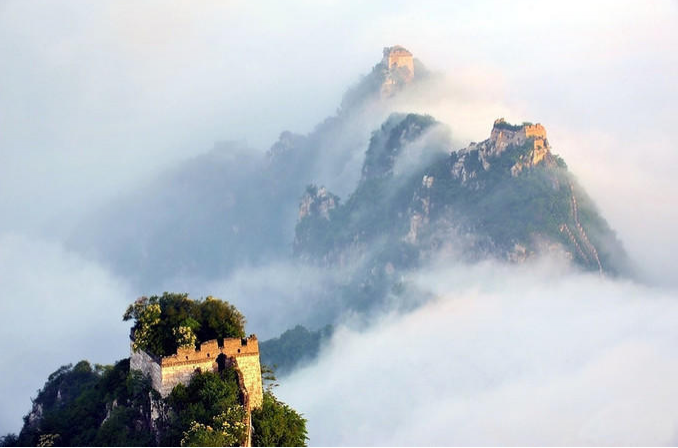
(530, 355)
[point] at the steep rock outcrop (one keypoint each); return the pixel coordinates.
(507, 197)
(317, 201)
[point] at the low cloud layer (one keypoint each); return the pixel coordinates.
(529, 355)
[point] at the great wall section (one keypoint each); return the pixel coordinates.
(242, 354)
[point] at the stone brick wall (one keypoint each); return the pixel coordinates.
(250, 367)
(503, 138)
(233, 347)
(535, 130)
(400, 69)
(140, 360)
(169, 371)
(208, 351)
(397, 56)
(181, 373)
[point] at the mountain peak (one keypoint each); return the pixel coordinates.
(396, 70)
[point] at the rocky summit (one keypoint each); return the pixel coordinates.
(507, 197)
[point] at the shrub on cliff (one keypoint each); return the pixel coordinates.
(164, 323)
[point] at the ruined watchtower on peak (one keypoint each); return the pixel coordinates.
(396, 57)
(504, 134)
(240, 353)
(398, 69)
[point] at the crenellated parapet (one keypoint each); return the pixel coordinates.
(169, 371)
(398, 57)
(535, 131)
(504, 135)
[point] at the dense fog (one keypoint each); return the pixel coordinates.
(530, 355)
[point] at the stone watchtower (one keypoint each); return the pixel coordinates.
(241, 354)
(504, 134)
(397, 57)
(398, 64)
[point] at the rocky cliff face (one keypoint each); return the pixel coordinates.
(317, 202)
(326, 229)
(508, 197)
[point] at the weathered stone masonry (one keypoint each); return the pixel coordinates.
(399, 66)
(168, 371)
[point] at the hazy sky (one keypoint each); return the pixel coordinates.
(96, 97)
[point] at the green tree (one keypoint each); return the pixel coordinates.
(164, 323)
(10, 439)
(229, 429)
(146, 315)
(219, 319)
(277, 424)
(205, 400)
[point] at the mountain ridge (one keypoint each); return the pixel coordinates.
(515, 158)
(251, 193)
(379, 200)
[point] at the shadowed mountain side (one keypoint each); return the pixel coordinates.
(293, 348)
(214, 212)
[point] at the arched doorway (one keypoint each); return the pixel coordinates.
(221, 362)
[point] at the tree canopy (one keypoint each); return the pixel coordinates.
(164, 323)
(277, 424)
(206, 412)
